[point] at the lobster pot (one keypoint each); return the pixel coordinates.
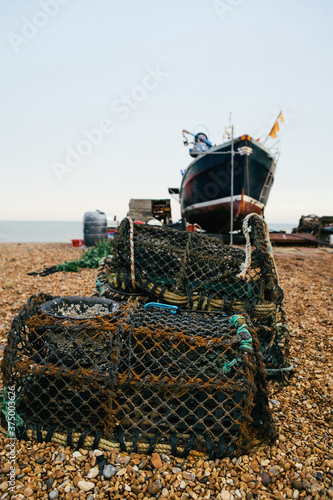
(138, 380)
(94, 227)
(198, 272)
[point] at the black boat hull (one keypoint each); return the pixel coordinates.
(205, 192)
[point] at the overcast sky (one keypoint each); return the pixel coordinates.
(95, 94)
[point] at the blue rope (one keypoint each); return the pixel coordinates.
(237, 321)
(99, 285)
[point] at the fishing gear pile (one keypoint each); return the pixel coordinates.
(198, 272)
(308, 224)
(89, 372)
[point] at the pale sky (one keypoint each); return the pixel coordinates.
(95, 94)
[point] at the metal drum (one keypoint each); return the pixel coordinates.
(94, 227)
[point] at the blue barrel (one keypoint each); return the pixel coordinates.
(94, 227)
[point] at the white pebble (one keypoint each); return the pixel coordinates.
(224, 495)
(98, 453)
(85, 485)
(93, 472)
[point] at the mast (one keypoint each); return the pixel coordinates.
(232, 186)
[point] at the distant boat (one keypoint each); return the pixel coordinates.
(206, 190)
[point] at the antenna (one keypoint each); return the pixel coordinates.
(227, 130)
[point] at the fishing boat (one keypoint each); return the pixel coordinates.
(224, 183)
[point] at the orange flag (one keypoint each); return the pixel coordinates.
(274, 130)
(281, 117)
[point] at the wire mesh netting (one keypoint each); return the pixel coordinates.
(198, 272)
(137, 379)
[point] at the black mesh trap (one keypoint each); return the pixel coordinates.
(198, 272)
(138, 379)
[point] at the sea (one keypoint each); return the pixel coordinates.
(65, 231)
(40, 231)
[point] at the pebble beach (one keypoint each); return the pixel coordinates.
(298, 466)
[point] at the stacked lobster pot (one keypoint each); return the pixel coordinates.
(171, 357)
